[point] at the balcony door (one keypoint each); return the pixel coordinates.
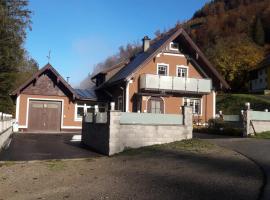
(155, 105)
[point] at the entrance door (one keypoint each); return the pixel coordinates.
(44, 116)
(155, 105)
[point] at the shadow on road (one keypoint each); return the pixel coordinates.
(27, 146)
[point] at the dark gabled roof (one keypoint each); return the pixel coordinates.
(47, 67)
(86, 94)
(105, 71)
(142, 58)
(156, 47)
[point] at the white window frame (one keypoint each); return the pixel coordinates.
(164, 64)
(174, 49)
(182, 66)
(201, 104)
(84, 106)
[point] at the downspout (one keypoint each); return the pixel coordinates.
(214, 103)
(17, 108)
(127, 96)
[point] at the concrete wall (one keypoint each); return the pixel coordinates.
(256, 122)
(260, 126)
(113, 137)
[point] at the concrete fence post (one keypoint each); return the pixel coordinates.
(187, 116)
(112, 104)
(246, 123)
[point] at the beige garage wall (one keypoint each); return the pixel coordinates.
(68, 111)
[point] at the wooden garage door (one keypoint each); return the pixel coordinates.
(44, 116)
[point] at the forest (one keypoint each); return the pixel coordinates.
(16, 65)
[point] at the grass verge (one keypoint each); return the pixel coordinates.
(263, 135)
(192, 145)
(55, 165)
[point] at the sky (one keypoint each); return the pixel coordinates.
(82, 33)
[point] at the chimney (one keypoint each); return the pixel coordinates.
(146, 43)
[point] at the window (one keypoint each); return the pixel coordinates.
(182, 71)
(81, 109)
(155, 105)
(162, 69)
(195, 103)
(120, 103)
(174, 46)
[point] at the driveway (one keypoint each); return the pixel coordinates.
(187, 170)
(257, 150)
(26, 147)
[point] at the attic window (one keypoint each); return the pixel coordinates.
(174, 46)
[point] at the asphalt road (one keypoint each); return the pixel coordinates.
(26, 146)
(257, 150)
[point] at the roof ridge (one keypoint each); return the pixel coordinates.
(48, 66)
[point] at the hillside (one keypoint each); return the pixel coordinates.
(234, 103)
(235, 36)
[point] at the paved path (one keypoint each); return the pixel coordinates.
(26, 146)
(257, 150)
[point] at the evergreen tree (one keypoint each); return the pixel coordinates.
(258, 34)
(14, 21)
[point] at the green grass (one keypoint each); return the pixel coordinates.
(7, 163)
(55, 165)
(193, 145)
(263, 135)
(234, 103)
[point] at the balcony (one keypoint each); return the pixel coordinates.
(174, 84)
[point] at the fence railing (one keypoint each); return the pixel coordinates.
(173, 83)
(150, 118)
(259, 115)
(137, 118)
(6, 121)
(232, 118)
(6, 130)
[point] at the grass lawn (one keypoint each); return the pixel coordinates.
(234, 103)
(192, 145)
(263, 135)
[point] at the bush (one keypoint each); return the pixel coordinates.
(219, 127)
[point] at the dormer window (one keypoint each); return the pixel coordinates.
(174, 46)
(100, 79)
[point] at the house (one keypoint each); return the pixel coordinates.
(168, 73)
(47, 103)
(259, 78)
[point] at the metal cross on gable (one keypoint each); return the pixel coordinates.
(49, 56)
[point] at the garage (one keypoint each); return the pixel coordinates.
(44, 116)
(46, 103)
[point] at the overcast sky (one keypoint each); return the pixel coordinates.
(82, 33)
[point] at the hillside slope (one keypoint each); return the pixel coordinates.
(235, 36)
(234, 103)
